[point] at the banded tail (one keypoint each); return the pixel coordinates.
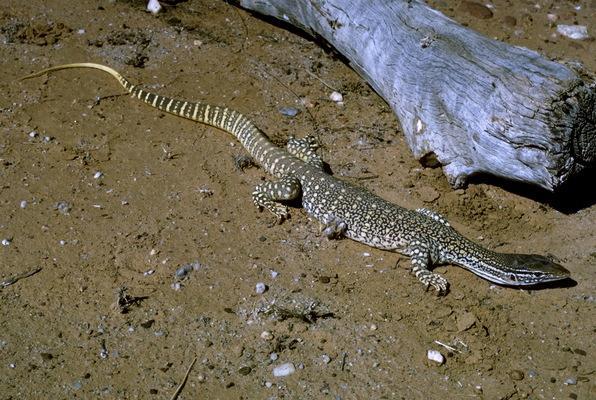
(231, 121)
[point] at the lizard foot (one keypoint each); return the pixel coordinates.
(429, 279)
(335, 229)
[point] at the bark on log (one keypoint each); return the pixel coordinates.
(476, 104)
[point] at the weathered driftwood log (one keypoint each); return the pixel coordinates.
(476, 104)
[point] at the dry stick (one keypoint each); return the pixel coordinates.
(179, 389)
(321, 80)
(14, 279)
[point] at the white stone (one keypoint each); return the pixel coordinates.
(577, 32)
(336, 97)
(284, 370)
(260, 288)
(435, 356)
(153, 6)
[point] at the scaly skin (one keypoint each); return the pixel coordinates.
(346, 210)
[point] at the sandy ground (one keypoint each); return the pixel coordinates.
(110, 198)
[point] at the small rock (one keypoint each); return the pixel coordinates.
(63, 207)
(576, 32)
(153, 6)
(435, 356)
(266, 335)
(532, 373)
(336, 97)
(465, 321)
(289, 111)
(326, 359)
(273, 356)
(268, 384)
(570, 381)
(98, 175)
(274, 274)
(516, 374)
(244, 370)
(33, 134)
(476, 10)
(23, 204)
(6, 242)
(284, 370)
(260, 288)
(373, 327)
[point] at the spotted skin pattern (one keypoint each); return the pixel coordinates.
(346, 210)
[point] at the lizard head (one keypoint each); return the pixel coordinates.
(528, 269)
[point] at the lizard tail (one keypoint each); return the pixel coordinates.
(231, 121)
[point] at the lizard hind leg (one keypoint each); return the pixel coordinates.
(420, 258)
(269, 194)
(304, 149)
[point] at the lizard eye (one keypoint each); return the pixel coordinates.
(512, 278)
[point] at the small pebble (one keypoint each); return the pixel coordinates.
(6, 242)
(326, 359)
(435, 356)
(176, 286)
(33, 134)
(184, 270)
(576, 32)
(244, 370)
(273, 356)
(373, 327)
(274, 274)
(97, 175)
(516, 375)
(289, 111)
(103, 353)
(153, 252)
(268, 384)
(284, 370)
(570, 381)
(62, 242)
(336, 97)
(12, 365)
(23, 204)
(260, 288)
(63, 207)
(153, 6)
(266, 335)
(76, 385)
(532, 373)
(149, 272)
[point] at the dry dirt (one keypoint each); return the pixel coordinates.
(110, 198)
